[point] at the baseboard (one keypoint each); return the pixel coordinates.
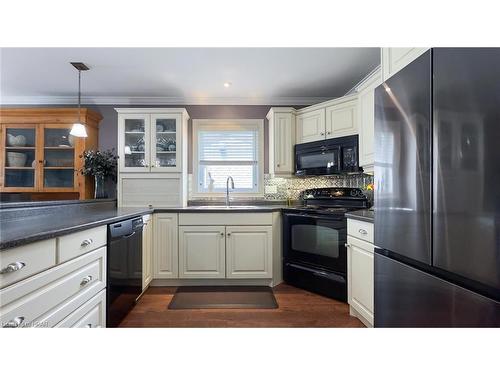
(363, 320)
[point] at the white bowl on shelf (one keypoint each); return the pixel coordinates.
(16, 141)
(16, 159)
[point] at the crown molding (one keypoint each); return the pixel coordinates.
(156, 100)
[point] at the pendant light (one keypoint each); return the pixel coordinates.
(78, 129)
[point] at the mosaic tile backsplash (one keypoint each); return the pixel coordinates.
(292, 187)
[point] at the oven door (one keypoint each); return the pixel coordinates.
(315, 240)
(318, 160)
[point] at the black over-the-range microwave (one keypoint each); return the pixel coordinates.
(327, 157)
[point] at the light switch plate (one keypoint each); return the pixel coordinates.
(272, 189)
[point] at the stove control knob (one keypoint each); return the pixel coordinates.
(354, 193)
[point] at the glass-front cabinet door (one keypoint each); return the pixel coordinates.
(134, 141)
(58, 162)
(165, 141)
(19, 159)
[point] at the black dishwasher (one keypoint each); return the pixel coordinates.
(124, 269)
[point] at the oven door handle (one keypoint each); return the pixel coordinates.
(330, 218)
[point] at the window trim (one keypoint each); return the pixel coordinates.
(218, 124)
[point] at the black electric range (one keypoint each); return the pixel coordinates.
(314, 238)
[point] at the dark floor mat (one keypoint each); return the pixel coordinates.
(223, 297)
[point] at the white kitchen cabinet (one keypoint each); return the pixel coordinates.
(366, 107)
(165, 247)
(147, 251)
(311, 126)
(395, 59)
(22, 262)
(152, 150)
(249, 252)
(341, 119)
(202, 252)
(281, 140)
(150, 139)
(92, 314)
(146, 189)
(360, 265)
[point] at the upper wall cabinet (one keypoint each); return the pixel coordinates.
(341, 119)
(335, 118)
(366, 114)
(395, 59)
(311, 126)
(281, 140)
(151, 140)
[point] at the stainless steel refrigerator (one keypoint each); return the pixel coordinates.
(437, 191)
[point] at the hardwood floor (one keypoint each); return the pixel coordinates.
(297, 308)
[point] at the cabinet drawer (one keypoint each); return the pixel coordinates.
(79, 243)
(28, 260)
(360, 229)
(46, 298)
(92, 314)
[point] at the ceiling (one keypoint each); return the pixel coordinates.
(182, 75)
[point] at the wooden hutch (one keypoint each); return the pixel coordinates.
(38, 155)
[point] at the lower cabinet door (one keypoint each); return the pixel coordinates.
(165, 253)
(360, 277)
(249, 252)
(92, 314)
(202, 252)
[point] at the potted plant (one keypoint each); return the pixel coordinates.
(101, 165)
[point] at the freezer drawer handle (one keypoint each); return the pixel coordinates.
(86, 280)
(363, 232)
(13, 267)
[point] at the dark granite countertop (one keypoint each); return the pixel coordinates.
(235, 208)
(22, 230)
(363, 215)
(24, 223)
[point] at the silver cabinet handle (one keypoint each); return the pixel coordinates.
(321, 133)
(222, 233)
(86, 280)
(362, 231)
(13, 267)
(328, 132)
(229, 234)
(86, 242)
(14, 323)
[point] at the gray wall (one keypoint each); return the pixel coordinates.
(108, 133)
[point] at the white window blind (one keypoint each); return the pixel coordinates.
(228, 151)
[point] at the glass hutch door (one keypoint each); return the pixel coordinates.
(19, 159)
(165, 143)
(59, 151)
(134, 143)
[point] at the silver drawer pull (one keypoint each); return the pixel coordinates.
(13, 267)
(86, 280)
(14, 323)
(362, 231)
(86, 242)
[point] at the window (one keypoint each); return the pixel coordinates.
(225, 148)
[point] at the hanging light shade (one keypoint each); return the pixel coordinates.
(78, 129)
